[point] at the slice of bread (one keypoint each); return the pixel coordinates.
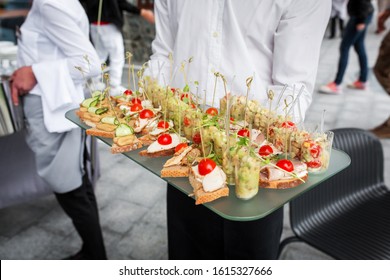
(115, 149)
(175, 171)
(101, 133)
(280, 184)
(201, 196)
(163, 153)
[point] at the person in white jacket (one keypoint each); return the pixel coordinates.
(338, 13)
(275, 41)
(51, 43)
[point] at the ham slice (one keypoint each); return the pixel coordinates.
(271, 173)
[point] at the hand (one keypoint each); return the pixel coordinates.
(360, 26)
(148, 15)
(22, 81)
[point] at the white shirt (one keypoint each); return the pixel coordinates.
(54, 39)
(276, 41)
(339, 8)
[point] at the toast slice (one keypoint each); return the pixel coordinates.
(125, 144)
(115, 149)
(201, 196)
(100, 133)
(175, 171)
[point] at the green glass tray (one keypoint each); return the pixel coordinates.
(232, 208)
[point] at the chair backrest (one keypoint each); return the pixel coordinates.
(360, 181)
(20, 181)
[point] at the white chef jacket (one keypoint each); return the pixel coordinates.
(54, 39)
(275, 41)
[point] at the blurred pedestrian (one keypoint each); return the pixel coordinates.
(360, 12)
(338, 14)
(382, 70)
(382, 6)
(51, 42)
(106, 34)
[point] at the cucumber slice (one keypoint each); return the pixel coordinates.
(123, 130)
(101, 111)
(94, 103)
(87, 102)
(110, 120)
(92, 109)
(101, 97)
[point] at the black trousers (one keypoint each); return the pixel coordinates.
(195, 232)
(80, 205)
(333, 26)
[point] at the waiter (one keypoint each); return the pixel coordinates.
(276, 41)
(52, 41)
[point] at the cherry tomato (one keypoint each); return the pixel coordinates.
(205, 166)
(173, 90)
(146, 114)
(243, 132)
(164, 139)
(193, 106)
(212, 111)
(196, 138)
(185, 97)
(285, 164)
(315, 150)
(136, 101)
(314, 164)
(231, 119)
(180, 146)
(187, 121)
(288, 124)
(265, 150)
(136, 107)
(128, 92)
(163, 124)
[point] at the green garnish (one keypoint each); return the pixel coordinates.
(186, 88)
(101, 111)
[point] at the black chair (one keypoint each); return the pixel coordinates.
(19, 180)
(347, 216)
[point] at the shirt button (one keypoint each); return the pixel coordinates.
(215, 34)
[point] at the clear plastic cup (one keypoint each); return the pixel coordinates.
(316, 151)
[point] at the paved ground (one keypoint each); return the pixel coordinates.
(132, 201)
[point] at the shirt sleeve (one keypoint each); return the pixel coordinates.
(297, 44)
(65, 33)
(60, 82)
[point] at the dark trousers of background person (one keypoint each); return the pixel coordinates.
(356, 38)
(81, 206)
(333, 22)
(195, 232)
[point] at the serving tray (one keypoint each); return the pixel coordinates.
(232, 208)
